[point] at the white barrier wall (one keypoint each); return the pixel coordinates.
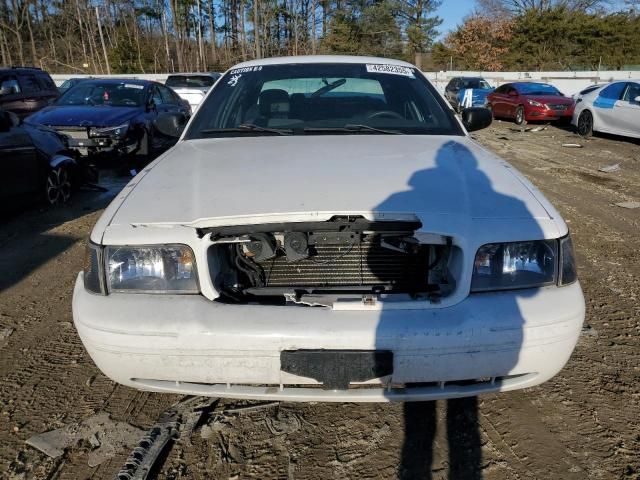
(567, 82)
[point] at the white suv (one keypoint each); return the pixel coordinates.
(326, 230)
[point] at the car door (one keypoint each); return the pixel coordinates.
(605, 113)
(498, 100)
(627, 110)
(18, 161)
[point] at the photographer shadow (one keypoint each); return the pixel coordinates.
(455, 185)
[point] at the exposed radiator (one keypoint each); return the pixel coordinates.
(363, 264)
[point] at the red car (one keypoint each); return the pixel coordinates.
(530, 101)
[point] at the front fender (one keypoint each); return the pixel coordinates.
(58, 160)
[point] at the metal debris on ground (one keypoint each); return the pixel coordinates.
(106, 436)
(610, 168)
(156, 442)
(628, 204)
(572, 145)
(249, 408)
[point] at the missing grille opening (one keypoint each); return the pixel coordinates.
(328, 260)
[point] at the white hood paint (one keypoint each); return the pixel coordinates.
(296, 178)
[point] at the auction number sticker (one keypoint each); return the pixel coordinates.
(391, 69)
(133, 85)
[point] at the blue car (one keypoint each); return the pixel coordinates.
(457, 87)
(113, 117)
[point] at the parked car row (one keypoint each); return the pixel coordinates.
(50, 137)
(609, 108)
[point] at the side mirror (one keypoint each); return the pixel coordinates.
(151, 105)
(170, 124)
(476, 118)
(637, 99)
(513, 93)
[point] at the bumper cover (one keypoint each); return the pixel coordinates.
(188, 344)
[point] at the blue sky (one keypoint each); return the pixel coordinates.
(452, 12)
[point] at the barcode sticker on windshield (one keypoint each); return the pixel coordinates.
(392, 69)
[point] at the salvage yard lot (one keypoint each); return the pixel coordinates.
(584, 423)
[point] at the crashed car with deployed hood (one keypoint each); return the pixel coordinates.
(113, 117)
(326, 229)
(36, 164)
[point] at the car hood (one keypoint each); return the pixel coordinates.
(84, 116)
(554, 99)
(237, 181)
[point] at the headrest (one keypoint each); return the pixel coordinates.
(273, 102)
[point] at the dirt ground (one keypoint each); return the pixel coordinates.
(583, 424)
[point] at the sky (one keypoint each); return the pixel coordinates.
(453, 12)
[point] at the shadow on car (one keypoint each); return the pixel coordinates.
(455, 164)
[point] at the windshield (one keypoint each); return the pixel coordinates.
(537, 89)
(186, 81)
(96, 93)
(322, 98)
(475, 83)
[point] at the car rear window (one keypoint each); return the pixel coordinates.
(186, 81)
(30, 84)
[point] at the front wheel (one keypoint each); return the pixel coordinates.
(520, 115)
(58, 186)
(585, 124)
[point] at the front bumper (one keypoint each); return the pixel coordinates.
(538, 113)
(190, 345)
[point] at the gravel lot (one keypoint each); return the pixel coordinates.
(584, 423)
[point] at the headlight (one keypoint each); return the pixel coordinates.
(151, 269)
(93, 277)
(506, 266)
(118, 131)
(535, 104)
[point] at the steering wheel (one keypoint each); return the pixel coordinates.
(385, 113)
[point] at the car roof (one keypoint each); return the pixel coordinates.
(530, 83)
(322, 59)
(22, 69)
(192, 73)
(117, 81)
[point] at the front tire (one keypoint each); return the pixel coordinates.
(520, 115)
(585, 124)
(58, 185)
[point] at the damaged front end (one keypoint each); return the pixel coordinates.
(320, 263)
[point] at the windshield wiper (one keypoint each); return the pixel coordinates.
(249, 127)
(353, 127)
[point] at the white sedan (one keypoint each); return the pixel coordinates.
(326, 229)
(612, 108)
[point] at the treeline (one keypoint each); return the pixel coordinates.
(557, 38)
(150, 36)
(126, 36)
